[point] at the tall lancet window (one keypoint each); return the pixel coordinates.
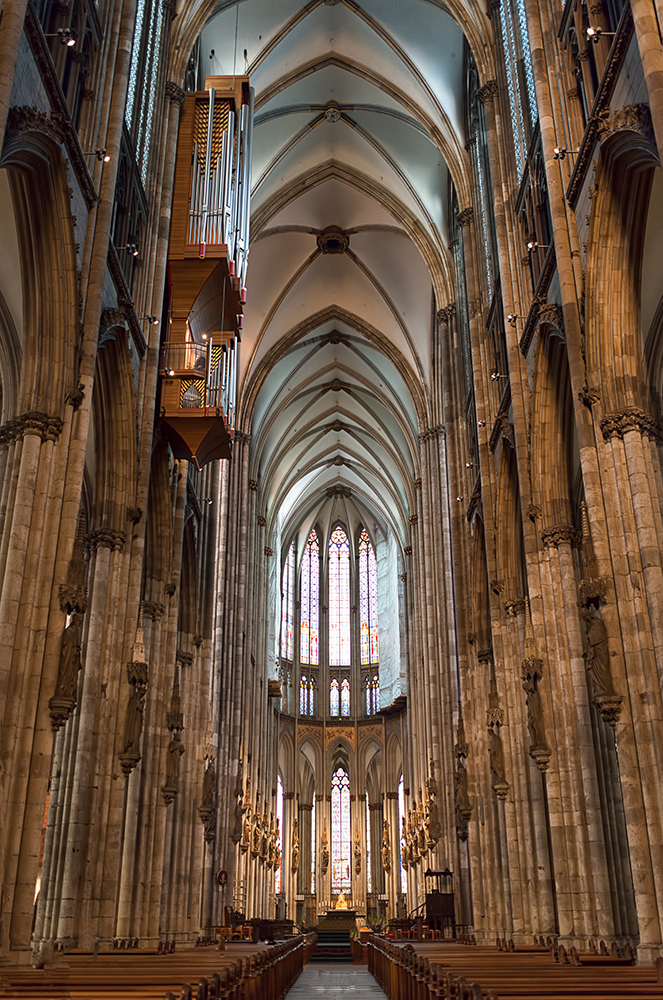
(368, 601)
(333, 697)
(345, 696)
(288, 606)
(341, 840)
(309, 631)
(339, 599)
(518, 65)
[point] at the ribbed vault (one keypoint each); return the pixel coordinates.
(359, 162)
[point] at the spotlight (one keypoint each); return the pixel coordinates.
(512, 317)
(460, 499)
(100, 154)
(481, 423)
(593, 34)
(469, 465)
(153, 320)
(207, 500)
(494, 375)
(66, 36)
(562, 151)
(533, 245)
(171, 371)
(131, 248)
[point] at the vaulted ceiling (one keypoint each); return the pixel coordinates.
(358, 140)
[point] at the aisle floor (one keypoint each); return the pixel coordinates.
(320, 980)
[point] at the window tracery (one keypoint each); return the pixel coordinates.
(341, 840)
(345, 697)
(334, 700)
(339, 598)
(309, 632)
(368, 601)
(287, 606)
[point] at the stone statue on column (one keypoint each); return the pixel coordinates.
(295, 846)
(63, 701)
(357, 852)
(385, 850)
(324, 860)
(133, 720)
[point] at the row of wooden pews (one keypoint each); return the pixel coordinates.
(451, 971)
(242, 971)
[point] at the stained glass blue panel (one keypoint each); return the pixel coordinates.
(345, 697)
(333, 698)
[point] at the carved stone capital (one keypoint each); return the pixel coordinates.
(152, 610)
(31, 422)
(501, 789)
(417, 484)
(174, 721)
(408, 550)
(497, 586)
(630, 118)
(609, 706)
(184, 659)
(111, 318)
(30, 119)
(485, 656)
(465, 217)
(253, 485)
(262, 521)
(414, 518)
(541, 756)
(75, 396)
(106, 538)
(128, 761)
(514, 608)
(631, 418)
(175, 93)
(446, 314)
(489, 90)
(60, 708)
(269, 551)
(559, 534)
(134, 514)
(552, 314)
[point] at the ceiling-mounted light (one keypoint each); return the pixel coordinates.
(131, 248)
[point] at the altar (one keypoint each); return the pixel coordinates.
(340, 918)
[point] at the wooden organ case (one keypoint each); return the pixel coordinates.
(207, 261)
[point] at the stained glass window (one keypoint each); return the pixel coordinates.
(333, 697)
(306, 687)
(309, 632)
(515, 41)
(372, 686)
(287, 605)
(369, 873)
(401, 814)
(143, 75)
(345, 696)
(279, 819)
(339, 599)
(368, 600)
(376, 693)
(341, 840)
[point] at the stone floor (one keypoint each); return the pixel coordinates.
(333, 980)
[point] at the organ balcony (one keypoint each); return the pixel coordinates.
(207, 264)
